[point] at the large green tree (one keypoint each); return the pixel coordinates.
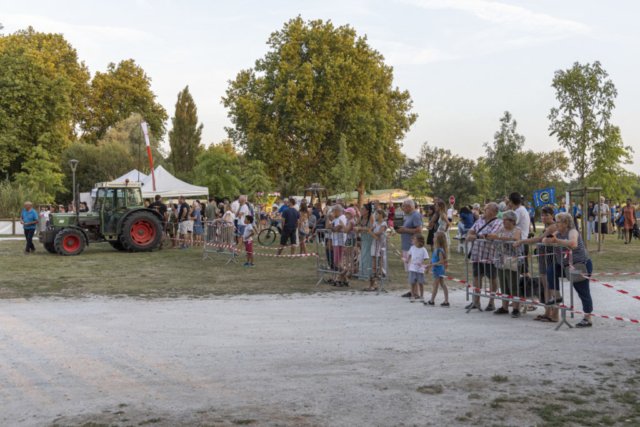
(42, 173)
(255, 179)
(503, 156)
(123, 90)
(449, 174)
(317, 83)
(582, 125)
(219, 171)
(35, 104)
(186, 135)
(418, 185)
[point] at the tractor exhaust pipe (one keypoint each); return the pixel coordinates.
(77, 190)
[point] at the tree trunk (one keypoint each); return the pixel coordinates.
(361, 192)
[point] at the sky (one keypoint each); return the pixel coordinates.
(464, 62)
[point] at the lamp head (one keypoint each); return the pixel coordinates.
(74, 164)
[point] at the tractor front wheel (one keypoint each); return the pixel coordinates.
(141, 231)
(69, 242)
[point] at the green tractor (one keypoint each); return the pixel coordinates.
(118, 216)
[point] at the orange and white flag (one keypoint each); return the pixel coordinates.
(145, 129)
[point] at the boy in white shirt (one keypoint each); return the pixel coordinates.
(247, 238)
(416, 260)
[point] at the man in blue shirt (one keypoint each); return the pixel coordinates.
(29, 221)
(290, 217)
(532, 214)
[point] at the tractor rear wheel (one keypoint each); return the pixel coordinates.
(69, 242)
(141, 232)
(117, 245)
(50, 248)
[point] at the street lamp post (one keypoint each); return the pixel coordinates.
(74, 163)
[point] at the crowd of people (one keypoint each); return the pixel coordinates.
(355, 240)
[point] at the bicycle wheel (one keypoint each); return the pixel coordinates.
(267, 237)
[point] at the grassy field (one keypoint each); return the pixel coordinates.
(101, 270)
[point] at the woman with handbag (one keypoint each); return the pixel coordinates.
(508, 274)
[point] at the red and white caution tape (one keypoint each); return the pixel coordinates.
(622, 291)
(622, 319)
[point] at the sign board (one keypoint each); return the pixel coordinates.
(452, 200)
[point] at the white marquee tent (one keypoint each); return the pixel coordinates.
(168, 186)
(131, 176)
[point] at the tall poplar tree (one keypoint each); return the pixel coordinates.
(186, 135)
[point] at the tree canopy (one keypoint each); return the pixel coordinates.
(123, 90)
(582, 125)
(317, 83)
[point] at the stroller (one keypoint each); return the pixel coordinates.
(636, 231)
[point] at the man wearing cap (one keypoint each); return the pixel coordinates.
(29, 221)
(532, 214)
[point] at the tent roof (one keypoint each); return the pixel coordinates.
(131, 176)
(169, 186)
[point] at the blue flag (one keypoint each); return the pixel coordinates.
(544, 197)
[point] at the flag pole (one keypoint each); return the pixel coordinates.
(145, 130)
(140, 148)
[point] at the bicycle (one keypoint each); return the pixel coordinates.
(268, 235)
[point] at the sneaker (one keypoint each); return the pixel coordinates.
(501, 311)
(445, 304)
(252, 265)
(490, 307)
(429, 303)
(554, 301)
(515, 313)
(413, 299)
(246, 264)
(472, 306)
(183, 247)
(422, 300)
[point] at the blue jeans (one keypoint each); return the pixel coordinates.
(28, 234)
(556, 271)
(591, 228)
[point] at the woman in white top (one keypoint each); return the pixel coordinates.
(226, 225)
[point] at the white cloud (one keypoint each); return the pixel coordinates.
(513, 17)
(91, 33)
(397, 53)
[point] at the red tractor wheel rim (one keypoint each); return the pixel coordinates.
(71, 243)
(143, 232)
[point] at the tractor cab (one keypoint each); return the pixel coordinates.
(112, 201)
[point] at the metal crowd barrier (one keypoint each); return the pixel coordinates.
(330, 268)
(219, 239)
(531, 284)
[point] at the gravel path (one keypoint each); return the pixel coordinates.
(340, 359)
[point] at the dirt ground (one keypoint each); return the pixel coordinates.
(329, 359)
